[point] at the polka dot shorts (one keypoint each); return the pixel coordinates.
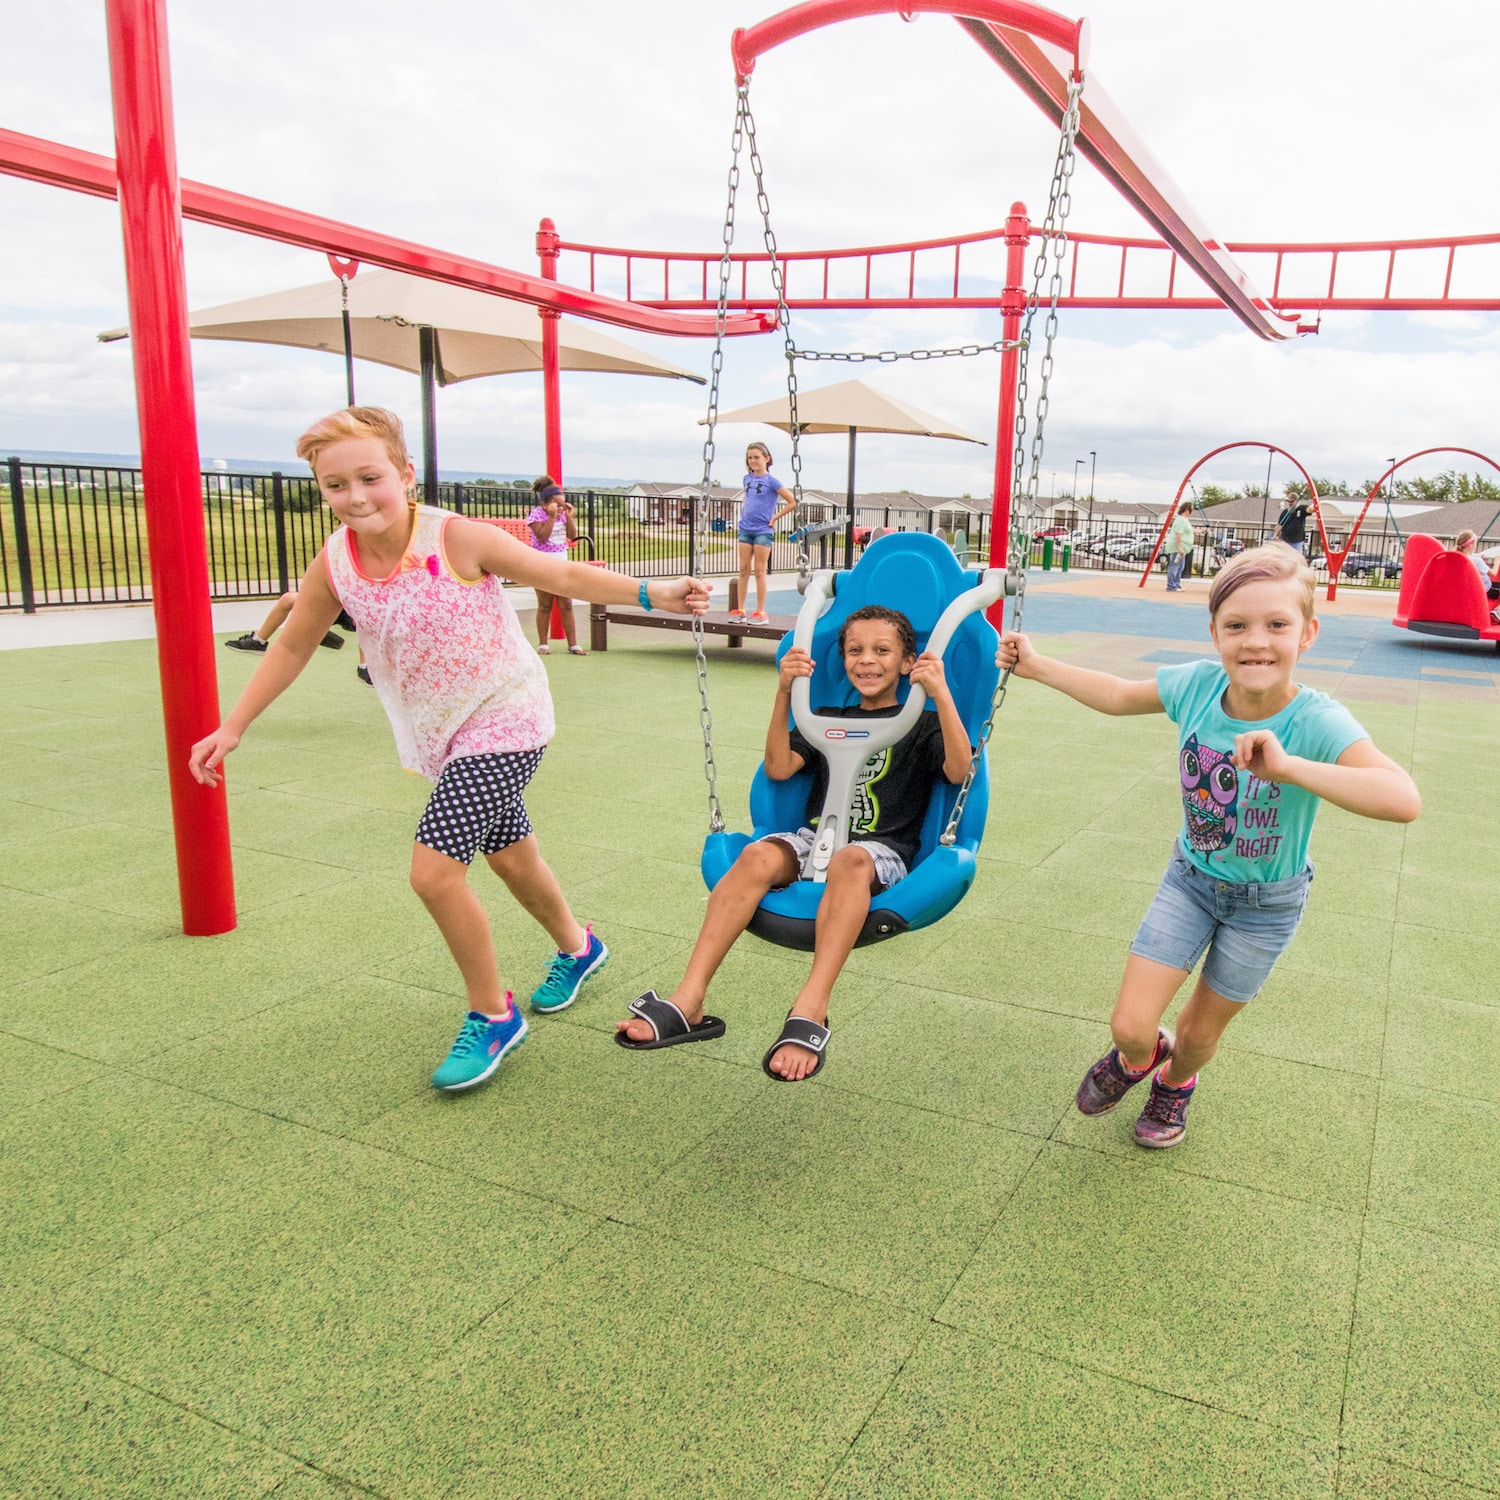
(478, 805)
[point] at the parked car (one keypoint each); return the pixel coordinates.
(1057, 533)
(1136, 547)
(1229, 546)
(1362, 564)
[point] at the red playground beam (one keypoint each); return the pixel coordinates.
(1443, 274)
(1040, 49)
(156, 282)
(38, 160)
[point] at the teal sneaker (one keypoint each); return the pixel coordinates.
(566, 974)
(479, 1048)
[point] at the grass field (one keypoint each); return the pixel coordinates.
(247, 1251)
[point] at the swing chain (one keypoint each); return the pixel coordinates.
(890, 356)
(784, 318)
(703, 502)
(1024, 502)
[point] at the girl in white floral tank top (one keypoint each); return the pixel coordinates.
(465, 693)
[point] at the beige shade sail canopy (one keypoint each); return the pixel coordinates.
(850, 404)
(849, 407)
(476, 334)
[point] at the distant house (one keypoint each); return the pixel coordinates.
(1066, 511)
(1243, 517)
(656, 504)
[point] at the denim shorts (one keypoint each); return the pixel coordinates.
(757, 538)
(1246, 927)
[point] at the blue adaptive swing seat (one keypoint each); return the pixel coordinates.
(919, 575)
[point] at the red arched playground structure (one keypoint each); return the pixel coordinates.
(1335, 557)
(1036, 47)
(1312, 488)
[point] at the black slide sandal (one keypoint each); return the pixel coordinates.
(668, 1024)
(804, 1033)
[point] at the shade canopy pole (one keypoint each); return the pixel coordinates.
(849, 527)
(427, 343)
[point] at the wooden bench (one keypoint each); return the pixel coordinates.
(602, 616)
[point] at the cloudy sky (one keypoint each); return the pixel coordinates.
(460, 124)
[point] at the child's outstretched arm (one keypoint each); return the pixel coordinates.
(958, 753)
(1100, 690)
(1363, 780)
(474, 548)
(781, 760)
(314, 610)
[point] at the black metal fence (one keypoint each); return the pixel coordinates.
(75, 534)
(1125, 546)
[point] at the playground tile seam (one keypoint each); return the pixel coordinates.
(969, 1419)
(889, 1205)
(1261, 1333)
(308, 1289)
(685, 1333)
(72, 1429)
(1422, 1391)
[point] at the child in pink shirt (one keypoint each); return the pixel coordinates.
(465, 693)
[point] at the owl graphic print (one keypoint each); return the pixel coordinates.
(1210, 796)
(1234, 825)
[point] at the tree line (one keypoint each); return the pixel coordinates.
(1448, 488)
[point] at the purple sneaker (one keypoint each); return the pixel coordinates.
(1163, 1122)
(1107, 1082)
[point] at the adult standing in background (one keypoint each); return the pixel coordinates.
(553, 527)
(1291, 526)
(1180, 542)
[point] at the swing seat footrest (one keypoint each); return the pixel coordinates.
(802, 932)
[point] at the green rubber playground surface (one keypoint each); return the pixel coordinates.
(245, 1250)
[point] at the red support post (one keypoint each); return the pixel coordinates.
(547, 240)
(151, 218)
(1013, 308)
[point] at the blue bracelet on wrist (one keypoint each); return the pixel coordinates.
(645, 597)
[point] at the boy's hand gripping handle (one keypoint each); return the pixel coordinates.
(847, 743)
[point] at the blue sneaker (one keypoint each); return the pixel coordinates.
(479, 1047)
(566, 974)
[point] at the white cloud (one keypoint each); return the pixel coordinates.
(460, 125)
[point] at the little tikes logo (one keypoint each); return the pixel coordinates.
(846, 734)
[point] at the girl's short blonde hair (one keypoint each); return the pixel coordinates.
(758, 444)
(1273, 562)
(355, 422)
(1464, 537)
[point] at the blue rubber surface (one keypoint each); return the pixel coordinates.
(1362, 645)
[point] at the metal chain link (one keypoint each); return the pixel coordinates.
(1024, 502)
(890, 356)
(703, 502)
(784, 317)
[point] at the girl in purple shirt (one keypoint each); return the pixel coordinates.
(758, 517)
(553, 527)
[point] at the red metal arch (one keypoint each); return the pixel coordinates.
(1224, 448)
(748, 43)
(1375, 488)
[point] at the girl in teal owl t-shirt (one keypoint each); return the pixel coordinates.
(1256, 754)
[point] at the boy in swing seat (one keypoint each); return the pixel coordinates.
(878, 648)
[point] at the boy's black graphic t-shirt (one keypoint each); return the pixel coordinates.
(894, 786)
